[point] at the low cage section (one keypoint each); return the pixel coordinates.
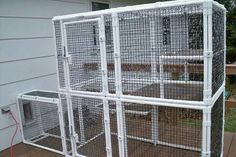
(42, 120)
(145, 80)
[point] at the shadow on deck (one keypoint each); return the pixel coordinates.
(22, 150)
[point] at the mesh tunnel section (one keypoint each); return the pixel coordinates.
(218, 48)
(162, 131)
(162, 48)
(59, 49)
(41, 124)
(84, 49)
(216, 127)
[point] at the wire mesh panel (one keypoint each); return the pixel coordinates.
(83, 47)
(40, 123)
(217, 124)
(162, 131)
(88, 125)
(110, 53)
(162, 52)
(218, 48)
(60, 55)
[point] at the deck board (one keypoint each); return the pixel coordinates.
(227, 142)
(232, 150)
(23, 150)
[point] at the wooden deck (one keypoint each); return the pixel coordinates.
(22, 150)
(230, 145)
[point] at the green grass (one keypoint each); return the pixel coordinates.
(230, 120)
(192, 123)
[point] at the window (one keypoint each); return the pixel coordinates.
(27, 110)
(101, 6)
(166, 30)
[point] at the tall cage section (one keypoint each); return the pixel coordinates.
(145, 80)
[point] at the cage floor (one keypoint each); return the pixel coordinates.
(186, 132)
(51, 142)
(135, 149)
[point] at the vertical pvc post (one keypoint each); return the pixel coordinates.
(161, 69)
(154, 117)
(207, 93)
(206, 132)
(186, 74)
(102, 41)
(62, 127)
(208, 54)
(122, 141)
(222, 149)
(73, 135)
(81, 121)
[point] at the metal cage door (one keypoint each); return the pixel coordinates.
(86, 72)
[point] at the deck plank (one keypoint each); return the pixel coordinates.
(227, 142)
(232, 150)
(22, 150)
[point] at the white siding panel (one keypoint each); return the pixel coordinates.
(41, 8)
(6, 121)
(24, 49)
(11, 28)
(7, 128)
(9, 92)
(6, 135)
(26, 69)
(121, 3)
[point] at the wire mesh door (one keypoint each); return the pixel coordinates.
(85, 50)
(82, 44)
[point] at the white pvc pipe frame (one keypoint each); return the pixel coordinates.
(57, 102)
(60, 117)
(204, 105)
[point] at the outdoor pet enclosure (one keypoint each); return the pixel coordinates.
(144, 80)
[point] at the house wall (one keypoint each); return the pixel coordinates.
(27, 55)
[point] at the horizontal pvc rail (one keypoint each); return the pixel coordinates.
(137, 7)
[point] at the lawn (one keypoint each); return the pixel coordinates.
(230, 120)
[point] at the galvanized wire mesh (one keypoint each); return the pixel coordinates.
(83, 46)
(218, 48)
(60, 55)
(110, 53)
(162, 47)
(161, 131)
(216, 127)
(88, 122)
(42, 126)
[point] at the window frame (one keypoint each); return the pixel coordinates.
(98, 1)
(23, 117)
(94, 30)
